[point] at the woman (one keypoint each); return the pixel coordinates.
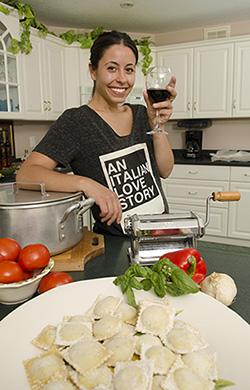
(113, 160)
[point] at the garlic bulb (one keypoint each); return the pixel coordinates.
(220, 286)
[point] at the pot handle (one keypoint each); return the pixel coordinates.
(85, 204)
(81, 206)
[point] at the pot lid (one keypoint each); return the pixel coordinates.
(12, 195)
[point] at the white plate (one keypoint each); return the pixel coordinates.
(226, 332)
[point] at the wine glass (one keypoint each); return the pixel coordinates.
(156, 81)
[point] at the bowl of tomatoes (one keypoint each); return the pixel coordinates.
(21, 270)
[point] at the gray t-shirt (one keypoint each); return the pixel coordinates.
(82, 139)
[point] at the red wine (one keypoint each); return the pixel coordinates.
(158, 95)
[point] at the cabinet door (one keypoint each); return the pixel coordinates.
(217, 225)
(239, 212)
(72, 76)
(181, 63)
(213, 75)
(54, 76)
(9, 73)
(194, 192)
(33, 83)
(241, 100)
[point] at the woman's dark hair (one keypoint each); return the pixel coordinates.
(107, 39)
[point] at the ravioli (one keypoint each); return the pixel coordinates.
(107, 327)
(59, 385)
(85, 355)
(133, 375)
(46, 338)
(126, 313)
(157, 381)
(99, 377)
(156, 317)
(68, 332)
(121, 348)
(162, 358)
(203, 363)
(103, 306)
(44, 368)
(184, 338)
(183, 378)
(146, 340)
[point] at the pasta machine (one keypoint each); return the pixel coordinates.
(152, 235)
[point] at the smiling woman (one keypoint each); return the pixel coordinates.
(106, 141)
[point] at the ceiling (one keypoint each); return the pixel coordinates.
(146, 16)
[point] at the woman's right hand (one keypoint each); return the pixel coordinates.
(106, 199)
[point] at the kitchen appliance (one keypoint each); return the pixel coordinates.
(52, 218)
(154, 235)
(193, 144)
(193, 136)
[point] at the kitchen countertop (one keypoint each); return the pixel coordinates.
(205, 159)
(229, 259)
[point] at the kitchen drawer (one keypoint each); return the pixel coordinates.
(240, 174)
(217, 222)
(200, 172)
(192, 192)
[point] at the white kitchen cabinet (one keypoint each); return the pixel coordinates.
(241, 97)
(9, 69)
(204, 79)
(188, 188)
(181, 63)
(213, 75)
(43, 79)
(239, 212)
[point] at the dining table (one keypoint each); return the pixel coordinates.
(229, 259)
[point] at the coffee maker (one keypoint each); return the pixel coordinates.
(193, 136)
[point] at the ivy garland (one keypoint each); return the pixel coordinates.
(28, 19)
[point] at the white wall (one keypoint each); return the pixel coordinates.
(223, 134)
(24, 130)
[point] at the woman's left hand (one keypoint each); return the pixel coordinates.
(165, 108)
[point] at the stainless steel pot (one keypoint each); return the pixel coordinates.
(52, 218)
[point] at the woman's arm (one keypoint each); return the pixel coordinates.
(39, 168)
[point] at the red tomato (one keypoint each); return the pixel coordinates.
(10, 272)
(54, 279)
(27, 275)
(9, 249)
(34, 256)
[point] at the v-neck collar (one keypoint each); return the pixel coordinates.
(110, 127)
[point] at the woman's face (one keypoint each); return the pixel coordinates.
(115, 74)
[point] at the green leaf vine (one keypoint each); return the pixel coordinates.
(28, 19)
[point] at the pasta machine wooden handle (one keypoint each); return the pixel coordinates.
(226, 196)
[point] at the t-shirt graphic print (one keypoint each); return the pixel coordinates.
(129, 174)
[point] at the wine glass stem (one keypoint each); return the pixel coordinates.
(157, 117)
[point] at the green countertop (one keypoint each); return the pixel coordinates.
(228, 259)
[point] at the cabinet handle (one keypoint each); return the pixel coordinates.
(193, 172)
(246, 174)
(49, 105)
(194, 106)
(188, 106)
(234, 104)
(192, 192)
(45, 105)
